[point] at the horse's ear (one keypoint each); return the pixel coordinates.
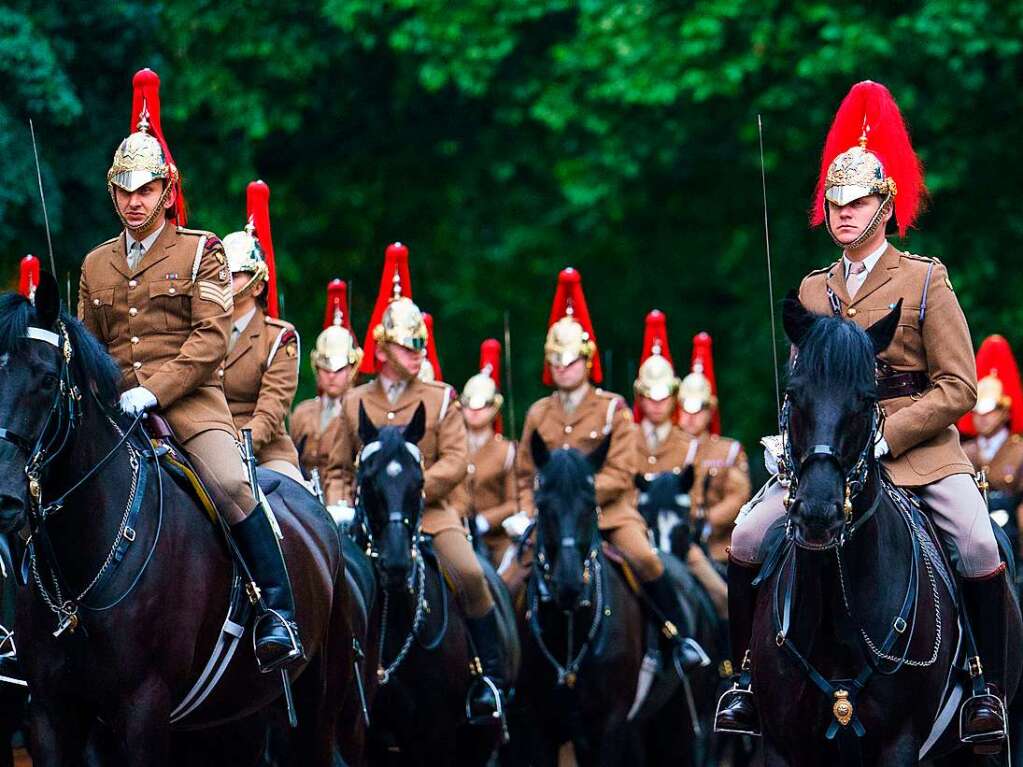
(686, 479)
(367, 431)
(47, 301)
(539, 450)
(417, 426)
(883, 331)
(598, 455)
(641, 482)
(796, 318)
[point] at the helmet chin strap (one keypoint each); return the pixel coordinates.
(402, 371)
(158, 210)
(867, 232)
(248, 286)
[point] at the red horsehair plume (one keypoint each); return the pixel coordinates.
(145, 115)
(258, 201)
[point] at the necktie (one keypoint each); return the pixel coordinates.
(134, 255)
(327, 413)
(394, 392)
(856, 278)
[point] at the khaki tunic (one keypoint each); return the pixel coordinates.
(443, 446)
(260, 379)
(1004, 471)
(166, 323)
(313, 444)
(919, 429)
(489, 487)
(598, 414)
(720, 487)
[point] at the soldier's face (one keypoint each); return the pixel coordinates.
(137, 206)
(695, 424)
(656, 411)
(333, 384)
(569, 377)
(988, 424)
(479, 417)
(848, 222)
(399, 363)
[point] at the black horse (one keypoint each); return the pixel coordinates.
(418, 647)
(582, 627)
(855, 630)
(128, 581)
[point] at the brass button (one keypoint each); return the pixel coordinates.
(95, 302)
(220, 372)
(566, 446)
(136, 365)
(133, 283)
(1008, 479)
(172, 290)
(390, 416)
(134, 339)
(471, 468)
(593, 435)
(851, 311)
(568, 430)
(132, 312)
(651, 460)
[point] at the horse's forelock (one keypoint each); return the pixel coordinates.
(566, 470)
(835, 353)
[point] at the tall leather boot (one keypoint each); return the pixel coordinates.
(983, 714)
(486, 700)
(687, 652)
(737, 709)
(276, 640)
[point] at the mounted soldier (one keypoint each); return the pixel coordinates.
(722, 484)
(996, 425)
(395, 349)
(663, 446)
(490, 481)
(335, 360)
(926, 380)
(159, 297)
(261, 369)
(579, 415)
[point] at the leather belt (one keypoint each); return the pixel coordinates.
(902, 384)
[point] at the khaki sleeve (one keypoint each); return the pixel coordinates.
(206, 346)
(525, 469)
(85, 314)
(339, 482)
(736, 484)
(495, 515)
(950, 365)
(617, 475)
(276, 392)
(452, 461)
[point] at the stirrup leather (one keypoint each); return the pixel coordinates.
(993, 736)
(292, 629)
(497, 713)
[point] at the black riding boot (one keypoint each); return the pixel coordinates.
(983, 715)
(687, 652)
(276, 639)
(737, 710)
(486, 700)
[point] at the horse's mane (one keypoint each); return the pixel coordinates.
(90, 363)
(568, 470)
(835, 353)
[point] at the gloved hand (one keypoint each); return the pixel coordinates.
(516, 524)
(773, 451)
(137, 400)
(881, 448)
(482, 526)
(342, 513)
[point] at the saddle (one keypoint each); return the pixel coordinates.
(175, 460)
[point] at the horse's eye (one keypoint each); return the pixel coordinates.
(49, 380)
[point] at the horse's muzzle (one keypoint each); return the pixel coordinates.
(816, 526)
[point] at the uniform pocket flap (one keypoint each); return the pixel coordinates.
(168, 288)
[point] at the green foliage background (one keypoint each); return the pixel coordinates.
(505, 139)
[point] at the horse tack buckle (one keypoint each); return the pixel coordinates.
(842, 708)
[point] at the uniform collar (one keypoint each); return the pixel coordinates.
(391, 389)
(243, 322)
(479, 439)
(869, 262)
(655, 435)
(989, 446)
(147, 243)
(570, 400)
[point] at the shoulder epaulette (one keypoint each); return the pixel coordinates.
(918, 257)
(195, 232)
(102, 245)
(279, 323)
(821, 270)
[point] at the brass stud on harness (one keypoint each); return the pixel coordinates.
(848, 507)
(842, 709)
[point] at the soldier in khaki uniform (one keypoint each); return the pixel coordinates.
(397, 345)
(490, 483)
(579, 415)
(997, 420)
(261, 370)
(722, 483)
(159, 296)
(335, 359)
(663, 446)
(926, 381)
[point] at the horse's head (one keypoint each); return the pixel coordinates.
(664, 503)
(830, 418)
(390, 491)
(565, 497)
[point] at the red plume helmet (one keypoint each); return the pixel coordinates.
(999, 384)
(656, 379)
(431, 347)
(145, 110)
(490, 363)
(258, 202)
(394, 279)
(869, 118)
(29, 278)
(337, 305)
(569, 301)
(655, 337)
(703, 362)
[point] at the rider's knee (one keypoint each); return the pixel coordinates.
(745, 543)
(982, 557)
(646, 563)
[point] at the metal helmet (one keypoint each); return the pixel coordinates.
(144, 155)
(991, 395)
(402, 324)
(999, 385)
(570, 333)
(250, 251)
(336, 347)
(656, 378)
(695, 393)
(245, 255)
(868, 152)
(396, 318)
(482, 389)
(426, 372)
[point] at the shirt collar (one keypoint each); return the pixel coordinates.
(243, 322)
(147, 243)
(655, 435)
(869, 261)
(479, 439)
(392, 389)
(989, 446)
(570, 399)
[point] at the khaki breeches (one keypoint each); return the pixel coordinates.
(955, 503)
(701, 568)
(285, 468)
(456, 556)
(632, 540)
(216, 458)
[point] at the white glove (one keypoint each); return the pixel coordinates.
(482, 526)
(341, 512)
(516, 524)
(774, 448)
(137, 400)
(881, 448)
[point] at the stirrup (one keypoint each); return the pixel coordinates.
(735, 691)
(497, 713)
(688, 643)
(994, 736)
(294, 654)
